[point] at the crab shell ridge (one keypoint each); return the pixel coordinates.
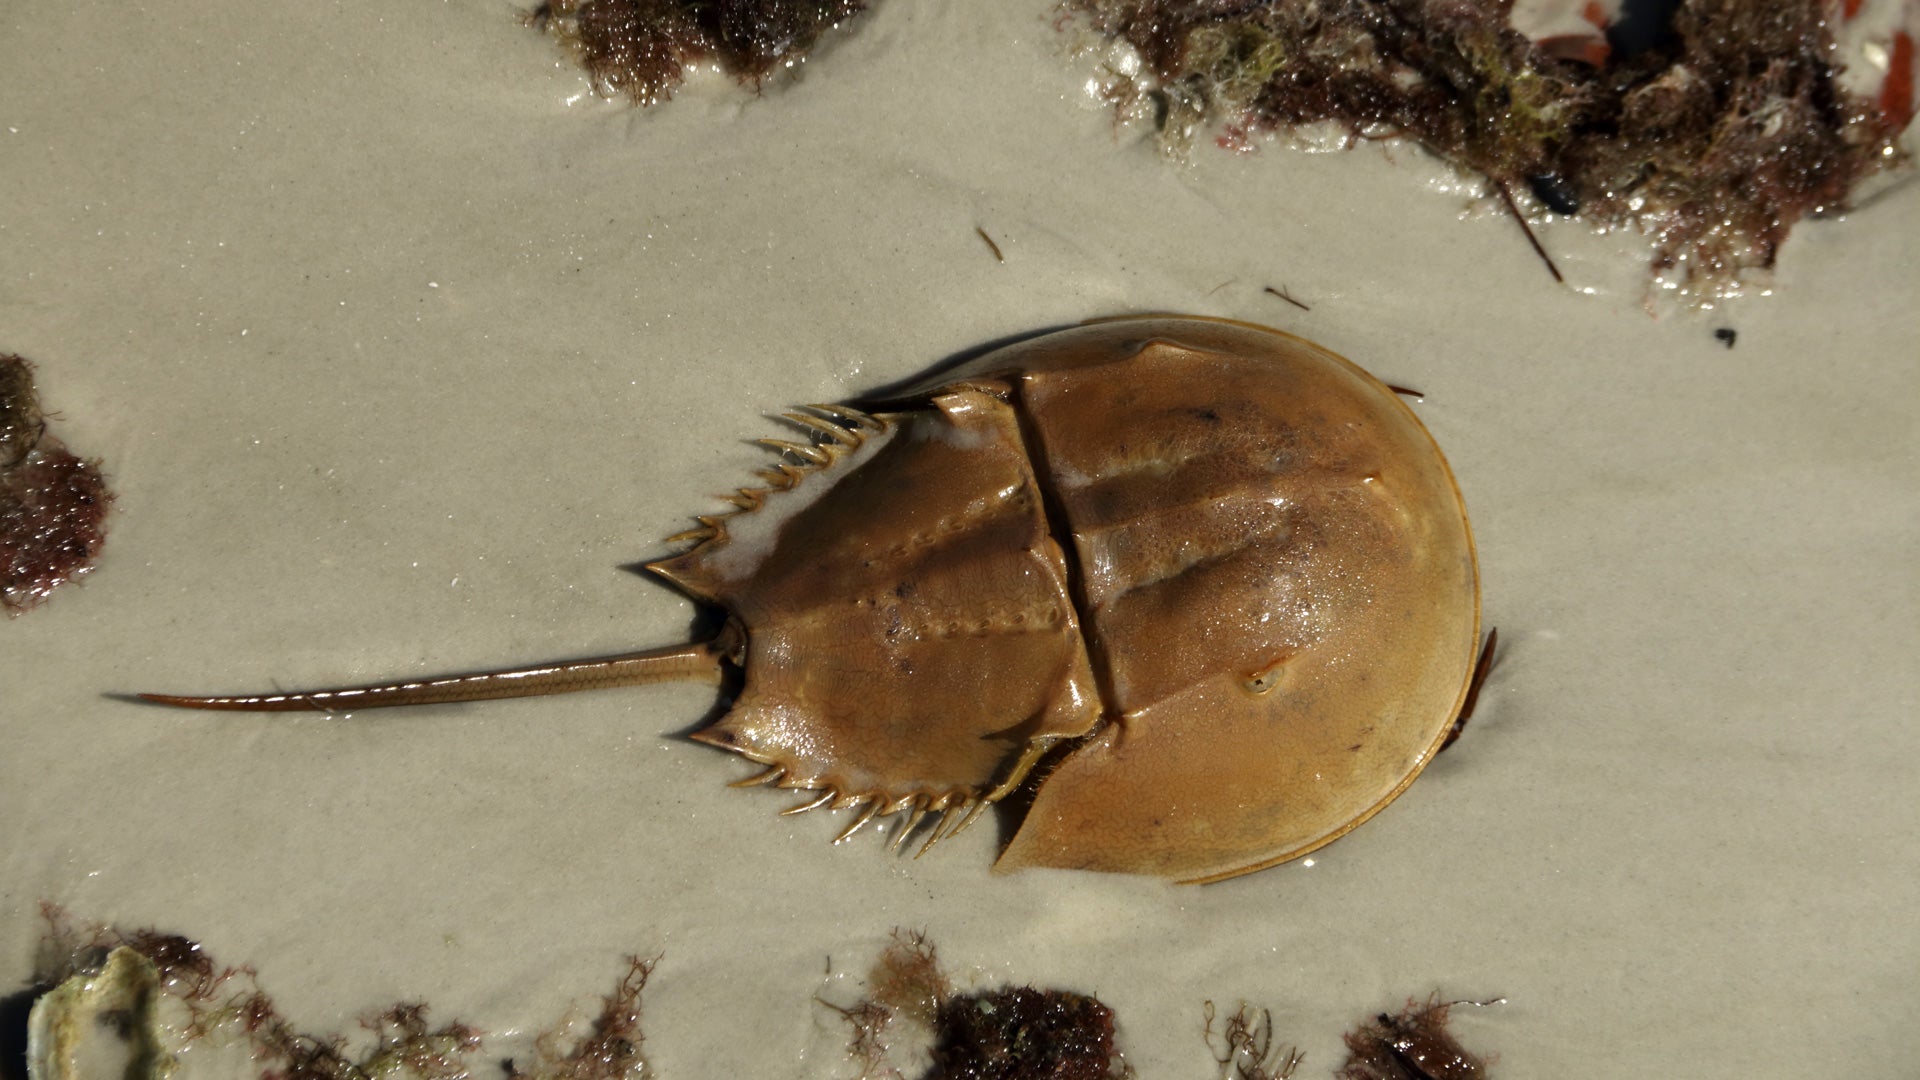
(1205, 587)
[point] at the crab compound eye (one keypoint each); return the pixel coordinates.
(1264, 681)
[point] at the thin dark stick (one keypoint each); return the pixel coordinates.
(1528, 229)
(995, 248)
(1282, 294)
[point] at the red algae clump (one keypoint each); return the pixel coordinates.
(160, 994)
(1020, 1033)
(53, 504)
(1414, 1045)
(643, 48)
(1714, 138)
(611, 1051)
(1008, 1033)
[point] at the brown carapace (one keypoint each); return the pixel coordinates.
(1205, 589)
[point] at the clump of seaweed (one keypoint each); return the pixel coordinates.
(69, 948)
(1715, 139)
(907, 985)
(1020, 1033)
(907, 979)
(1246, 1047)
(406, 1048)
(160, 993)
(223, 1005)
(643, 48)
(1010, 1033)
(611, 1051)
(53, 505)
(1413, 1045)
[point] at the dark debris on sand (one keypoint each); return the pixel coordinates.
(643, 48)
(1714, 138)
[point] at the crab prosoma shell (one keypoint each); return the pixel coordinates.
(1217, 582)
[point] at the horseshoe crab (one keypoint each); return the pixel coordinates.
(1204, 589)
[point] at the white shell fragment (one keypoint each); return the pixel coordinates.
(102, 1024)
